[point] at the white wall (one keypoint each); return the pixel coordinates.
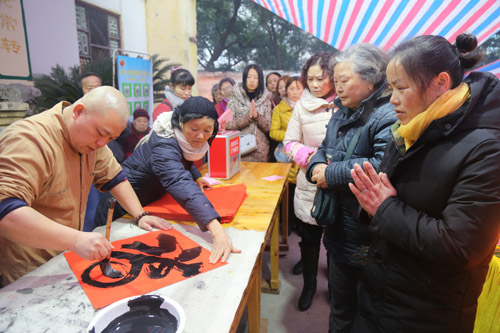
(52, 36)
(111, 5)
(51, 30)
(134, 26)
(132, 21)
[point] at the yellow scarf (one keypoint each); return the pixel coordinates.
(442, 106)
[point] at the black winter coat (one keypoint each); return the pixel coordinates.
(157, 167)
(433, 242)
(345, 237)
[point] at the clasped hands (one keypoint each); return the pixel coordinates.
(253, 115)
(371, 189)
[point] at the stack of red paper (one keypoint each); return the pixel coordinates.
(226, 201)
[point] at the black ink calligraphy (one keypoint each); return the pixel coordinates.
(137, 257)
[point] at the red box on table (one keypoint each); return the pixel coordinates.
(224, 155)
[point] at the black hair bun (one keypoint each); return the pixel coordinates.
(466, 42)
(466, 45)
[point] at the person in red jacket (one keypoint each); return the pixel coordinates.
(139, 128)
(176, 92)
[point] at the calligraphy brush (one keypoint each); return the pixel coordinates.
(105, 265)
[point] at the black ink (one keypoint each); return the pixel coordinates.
(167, 242)
(155, 266)
(145, 315)
(189, 270)
(190, 254)
(108, 270)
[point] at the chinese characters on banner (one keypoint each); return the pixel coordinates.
(13, 42)
(135, 81)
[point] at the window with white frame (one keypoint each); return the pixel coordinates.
(98, 32)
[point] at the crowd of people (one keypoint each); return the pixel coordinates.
(399, 149)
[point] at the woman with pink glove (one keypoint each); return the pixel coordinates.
(306, 130)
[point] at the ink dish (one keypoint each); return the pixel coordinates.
(147, 313)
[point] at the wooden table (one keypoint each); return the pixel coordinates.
(254, 214)
(50, 299)
(258, 203)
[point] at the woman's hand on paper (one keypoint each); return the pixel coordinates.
(149, 222)
(222, 246)
(203, 184)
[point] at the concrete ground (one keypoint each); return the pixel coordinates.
(279, 313)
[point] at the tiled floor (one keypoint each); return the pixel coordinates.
(280, 312)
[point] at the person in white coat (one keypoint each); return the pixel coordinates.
(306, 130)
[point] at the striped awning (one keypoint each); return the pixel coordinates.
(342, 23)
(493, 67)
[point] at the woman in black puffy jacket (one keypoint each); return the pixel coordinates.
(434, 210)
(163, 162)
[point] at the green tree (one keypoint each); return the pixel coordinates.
(218, 29)
(490, 50)
(234, 33)
(284, 46)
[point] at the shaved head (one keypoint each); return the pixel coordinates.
(96, 119)
(105, 99)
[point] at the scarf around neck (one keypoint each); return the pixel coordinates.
(163, 128)
(441, 107)
(291, 103)
(172, 97)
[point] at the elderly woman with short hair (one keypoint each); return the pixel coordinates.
(363, 121)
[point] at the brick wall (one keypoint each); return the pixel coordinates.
(207, 79)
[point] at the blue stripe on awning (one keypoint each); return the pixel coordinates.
(489, 67)
(487, 21)
(285, 10)
(364, 21)
(458, 17)
(272, 7)
(483, 19)
(340, 19)
(301, 15)
(319, 23)
(392, 21)
(424, 20)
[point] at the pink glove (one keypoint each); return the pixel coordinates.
(299, 153)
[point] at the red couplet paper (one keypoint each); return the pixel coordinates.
(147, 262)
(226, 201)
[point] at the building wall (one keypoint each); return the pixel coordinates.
(171, 32)
(132, 21)
(165, 27)
(51, 35)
